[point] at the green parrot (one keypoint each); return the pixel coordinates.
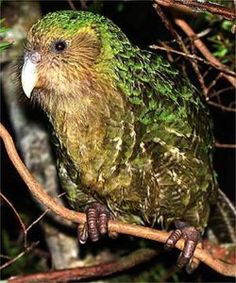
(132, 135)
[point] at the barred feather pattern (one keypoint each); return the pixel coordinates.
(130, 131)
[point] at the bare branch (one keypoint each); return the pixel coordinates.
(115, 226)
(219, 92)
(222, 107)
(203, 49)
(192, 56)
(199, 6)
(225, 145)
(18, 217)
(182, 45)
(37, 220)
(79, 273)
(40, 217)
(11, 261)
(71, 4)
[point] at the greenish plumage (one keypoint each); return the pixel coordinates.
(130, 131)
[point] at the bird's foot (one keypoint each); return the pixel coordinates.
(191, 237)
(97, 216)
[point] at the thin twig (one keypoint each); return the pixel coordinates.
(182, 45)
(194, 57)
(115, 226)
(5, 256)
(11, 261)
(199, 75)
(83, 4)
(222, 107)
(200, 6)
(71, 4)
(214, 82)
(37, 220)
(203, 49)
(42, 215)
(225, 145)
(18, 217)
(219, 92)
(170, 27)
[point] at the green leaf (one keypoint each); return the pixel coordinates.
(227, 25)
(221, 53)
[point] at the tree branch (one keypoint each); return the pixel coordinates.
(220, 106)
(116, 226)
(197, 6)
(100, 270)
(17, 216)
(27, 250)
(203, 49)
(193, 57)
(225, 145)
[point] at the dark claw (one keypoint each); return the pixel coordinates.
(97, 223)
(83, 233)
(191, 236)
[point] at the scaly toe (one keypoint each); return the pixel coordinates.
(103, 219)
(173, 239)
(191, 236)
(187, 253)
(92, 216)
(97, 216)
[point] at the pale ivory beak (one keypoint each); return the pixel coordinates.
(29, 75)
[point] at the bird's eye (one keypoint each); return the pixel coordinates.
(60, 46)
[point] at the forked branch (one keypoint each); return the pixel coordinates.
(116, 226)
(200, 6)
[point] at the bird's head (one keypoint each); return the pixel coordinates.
(65, 50)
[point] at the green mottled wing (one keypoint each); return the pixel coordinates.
(174, 125)
(155, 159)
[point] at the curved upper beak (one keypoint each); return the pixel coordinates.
(29, 75)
